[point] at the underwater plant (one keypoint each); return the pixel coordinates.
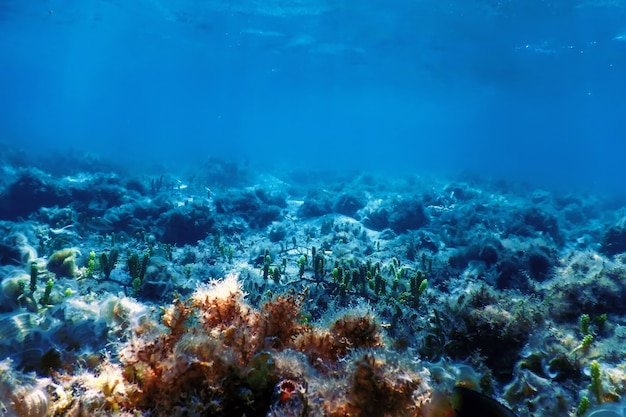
(34, 272)
(107, 262)
(137, 270)
(596, 380)
(91, 265)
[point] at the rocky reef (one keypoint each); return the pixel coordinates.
(227, 291)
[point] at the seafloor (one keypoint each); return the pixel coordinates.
(225, 291)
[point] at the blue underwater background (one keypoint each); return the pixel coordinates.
(312, 208)
(530, 90)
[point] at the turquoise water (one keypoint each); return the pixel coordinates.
(529, 90)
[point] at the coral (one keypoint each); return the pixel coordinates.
(407, 214)
(324, 347)
(185, 225)
(63, 262)
(357, 332)
(22, 395)
(536, 394)
(317, 203)
(614, 240)
(256, 207)
(13, 291)
(289, 399)
(379, 390)
(348, 203)
(31, 191)
(15, 248)
(475, 322)
(533, 221)
(278, 321)
(587, 283)
(104, 393)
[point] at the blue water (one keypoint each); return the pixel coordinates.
(525, 89)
